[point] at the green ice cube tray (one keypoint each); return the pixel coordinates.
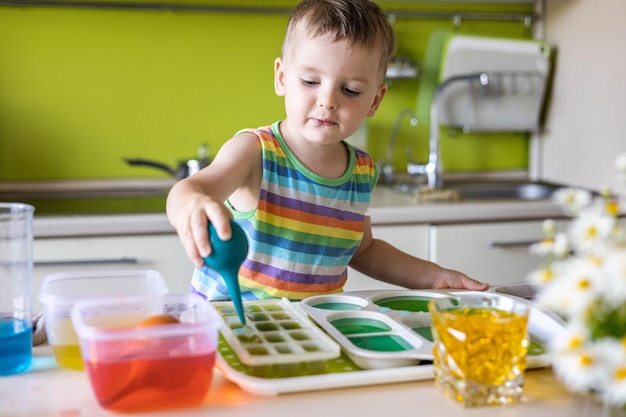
(275, 333)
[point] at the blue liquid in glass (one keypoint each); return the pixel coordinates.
(16, 341)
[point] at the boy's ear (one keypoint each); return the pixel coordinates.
(279, 77)
(377, 100)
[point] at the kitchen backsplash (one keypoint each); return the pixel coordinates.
(82, 89)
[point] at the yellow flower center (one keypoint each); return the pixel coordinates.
(584, 283)
(595, 260)
(592, 232)
(612, 208)
(620, 374)
(575, 342)
(546, 275)
(586, 360)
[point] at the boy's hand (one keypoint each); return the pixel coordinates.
(192, 226)
(457, 280)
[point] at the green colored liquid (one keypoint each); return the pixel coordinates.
(412, 303)
(337, 306)
(425, 332)
(257, 317)
(536, 349)
(383, 343)
(360, 325)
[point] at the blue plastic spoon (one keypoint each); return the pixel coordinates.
(226, 257)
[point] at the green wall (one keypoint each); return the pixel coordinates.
(80, 89)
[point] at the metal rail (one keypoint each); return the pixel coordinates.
(526, 19)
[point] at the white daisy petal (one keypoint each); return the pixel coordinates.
(616, 391)
(572, 199)
(614, 283)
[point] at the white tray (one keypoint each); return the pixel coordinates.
(343, 372)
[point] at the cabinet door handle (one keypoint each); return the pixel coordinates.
(70, 262)
(495, 244)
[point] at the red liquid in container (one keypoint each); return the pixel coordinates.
(152, 384)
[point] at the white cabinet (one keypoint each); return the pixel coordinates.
(496, 253)
(165, 254)
(412, 239)
(161, 252)
(584, 129)
(493, 252)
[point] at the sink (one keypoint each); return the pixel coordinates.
(505, 190)
(495, 190)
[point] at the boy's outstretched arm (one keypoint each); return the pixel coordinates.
(378, 259)
(234, 174)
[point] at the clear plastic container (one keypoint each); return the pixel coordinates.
(59, 292)
(146, 353)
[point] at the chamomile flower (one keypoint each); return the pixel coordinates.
(561, 247)
(556, 247)
(583, 278)
(541, 276)
(591, 230)
(572, 199)
(542, 248)
(549, 227)
(574, 289)
(582, 365)
(616, 390)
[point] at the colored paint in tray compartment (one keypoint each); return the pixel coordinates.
(277, 339)
(378, 331)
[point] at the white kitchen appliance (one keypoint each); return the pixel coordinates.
(485, 84)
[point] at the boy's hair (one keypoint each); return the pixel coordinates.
(359, 22)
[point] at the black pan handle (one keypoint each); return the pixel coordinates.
(153, 164)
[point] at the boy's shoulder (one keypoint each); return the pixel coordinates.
(259, 131)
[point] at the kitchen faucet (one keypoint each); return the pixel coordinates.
(433, 169)
(487, 86)
(387, 170)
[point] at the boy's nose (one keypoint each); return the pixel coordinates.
(327, 100)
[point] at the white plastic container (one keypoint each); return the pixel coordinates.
(59, 292)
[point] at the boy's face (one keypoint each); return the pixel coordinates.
(329, 88)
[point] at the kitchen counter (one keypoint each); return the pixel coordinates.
(48, 391)
(387, 207)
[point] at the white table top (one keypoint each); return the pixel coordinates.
(48, 391)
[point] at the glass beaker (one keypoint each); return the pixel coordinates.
(16, 287)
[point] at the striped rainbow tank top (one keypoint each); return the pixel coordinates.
(304, 230)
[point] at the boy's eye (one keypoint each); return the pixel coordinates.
(350, 92)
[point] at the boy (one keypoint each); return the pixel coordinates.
(299, 191)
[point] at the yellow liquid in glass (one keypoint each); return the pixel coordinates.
(482, 344)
